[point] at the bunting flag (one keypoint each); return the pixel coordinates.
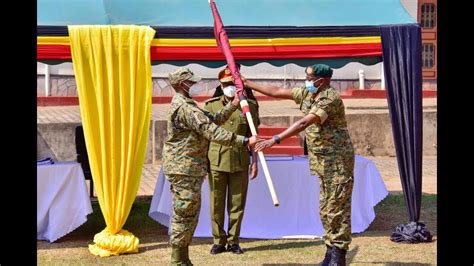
(248, 43)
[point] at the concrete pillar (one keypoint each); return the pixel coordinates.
(361, 79)
(382, 77)
(47, 83)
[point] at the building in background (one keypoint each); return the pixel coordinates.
(427, 17)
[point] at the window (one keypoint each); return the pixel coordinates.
(428, 16)
(428, 55)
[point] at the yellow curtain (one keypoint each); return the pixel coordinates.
(113, 74)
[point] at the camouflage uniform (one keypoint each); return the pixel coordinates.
(331, 157)
(185, 159)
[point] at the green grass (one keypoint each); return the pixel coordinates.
(392, 211)
(373, 247)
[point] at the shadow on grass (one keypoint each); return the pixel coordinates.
(287, 245)
(351, 253)
(392, 211)
(395, 263)
(153, 247)
(349, 258)
(270, 264)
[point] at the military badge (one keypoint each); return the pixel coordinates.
(200, 117)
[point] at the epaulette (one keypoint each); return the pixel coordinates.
(212, 99)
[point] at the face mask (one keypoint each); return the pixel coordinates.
(195, 89)
(310, 85)
(229, 91)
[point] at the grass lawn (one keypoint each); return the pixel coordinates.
(373, 247)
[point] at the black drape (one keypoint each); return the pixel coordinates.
(401, 52)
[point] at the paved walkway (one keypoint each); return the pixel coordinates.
(71, 114)
(387, 167)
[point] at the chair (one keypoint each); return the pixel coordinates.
(83, 158)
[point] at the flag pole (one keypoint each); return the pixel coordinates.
(223, 43)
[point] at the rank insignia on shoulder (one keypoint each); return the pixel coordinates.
(212, 99)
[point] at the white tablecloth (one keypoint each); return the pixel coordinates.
(63, 202)
(298, 192)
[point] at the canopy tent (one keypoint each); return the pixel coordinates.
(187, 13)
(278, 32)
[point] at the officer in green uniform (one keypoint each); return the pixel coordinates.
(189, 131)
(229, 168)
(330, 150)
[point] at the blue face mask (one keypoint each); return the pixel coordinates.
(310, 86)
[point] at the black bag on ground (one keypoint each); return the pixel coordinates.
(412, 232)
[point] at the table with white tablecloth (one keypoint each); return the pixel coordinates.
(63, 202)
(298, 193)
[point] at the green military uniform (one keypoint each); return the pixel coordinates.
(229, 167)
(331, 157)
(189, 131)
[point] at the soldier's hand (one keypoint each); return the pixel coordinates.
(246, 82)
(253, 170)
(253, 140)
(262, 145)
(236, 101)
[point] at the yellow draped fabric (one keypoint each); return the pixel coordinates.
(112, 67)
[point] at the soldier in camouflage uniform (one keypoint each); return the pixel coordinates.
(330, 150)
(185, 156)
(229, 168)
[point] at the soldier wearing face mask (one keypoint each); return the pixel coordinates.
(185, 155)
(330, 150)
(229, 168)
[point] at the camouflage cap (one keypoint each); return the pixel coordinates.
(321, 70)
(182, 74)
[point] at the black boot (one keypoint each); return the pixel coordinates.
(235, 248)
(338, 257)
(186, 256)
(216, 249)
(327, 257)
(179, 256)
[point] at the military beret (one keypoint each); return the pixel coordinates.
(321, 70)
